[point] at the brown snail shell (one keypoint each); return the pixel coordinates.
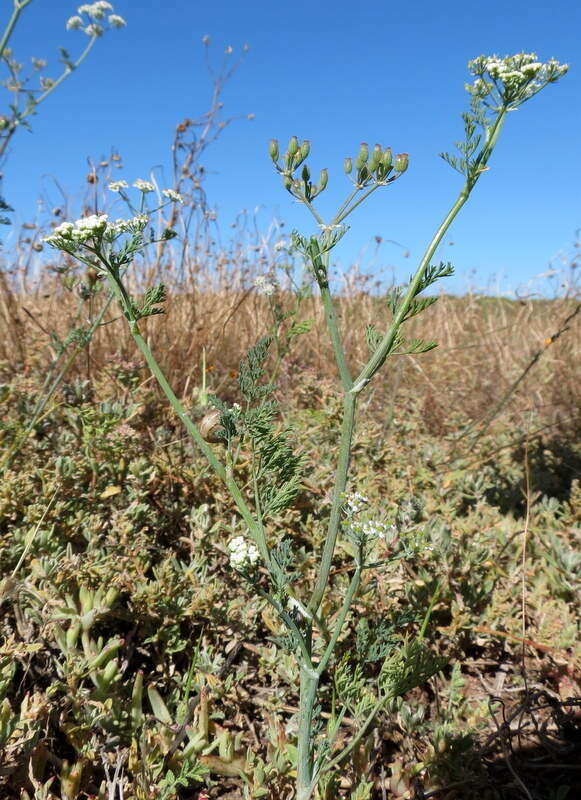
(210, 427)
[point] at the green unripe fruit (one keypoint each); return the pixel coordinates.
(402, 161)
(375, 157)
(306, 175)
(293, 146)
(273, 150)
(305, 149)
(348, 165)
(323, 179)
(361, 160)
(387, 158)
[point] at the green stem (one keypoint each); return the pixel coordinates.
(357, 738)
(255, 529)
(351, 592)
(386, 344)
(67, 71)
(16, 12)
(305, 761)
(340, 217)
(333, 328)
(349, 407)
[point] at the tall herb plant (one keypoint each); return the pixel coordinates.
(312, 631)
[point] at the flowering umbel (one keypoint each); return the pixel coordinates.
(511, 80)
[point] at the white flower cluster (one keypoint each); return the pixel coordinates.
(172, 195)
(116, 186)
(144, 186)
(69, 236)
(96, 12)
(242, 554)
(264, 286)
(512, 79)
(280, 245)
(356, 502)
(372, 529)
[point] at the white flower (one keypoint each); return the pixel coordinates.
(172, 195)
(116, 186)
(280, 245)
(264, 286)
(95, 10)
(144, 186)
(64, 229)
(374, 530)
(74, 24)
(69, 236)
(242, 554)
(116, 21)
(95, 223)
(356, 502)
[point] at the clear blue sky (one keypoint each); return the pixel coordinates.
(337, 73)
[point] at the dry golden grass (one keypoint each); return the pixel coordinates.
(494, 356)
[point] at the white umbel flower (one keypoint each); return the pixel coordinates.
(172, 195)
(144, 186)
(115, 21)
(264, 286)
(116, 186)
(74, 24)
(242, 553)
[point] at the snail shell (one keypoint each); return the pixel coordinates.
(210, 427)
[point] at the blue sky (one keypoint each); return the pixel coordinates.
(337, 73)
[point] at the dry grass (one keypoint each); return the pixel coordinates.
(486, 345)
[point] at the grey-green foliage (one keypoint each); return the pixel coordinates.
(276, 465)
(154, 297)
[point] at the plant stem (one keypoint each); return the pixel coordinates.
(380, 354)
(16, 12)
(333, 328)
(305, 761)
(351, 592)
(255, 529)
(349, 407)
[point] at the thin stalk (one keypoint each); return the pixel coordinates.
(32, 108)
(333, 328)
(344, 205)
(358, 736)
(380, 354)
(305, 761)
(349, 407)
(340, 217)
(256, 531)
(351, 592)
(16, 12)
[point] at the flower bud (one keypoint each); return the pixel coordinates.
(401, 162)
(305, 149)
(273, 150)
(348, 165)
(323, 179)
(293, 146)
(361, 160)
